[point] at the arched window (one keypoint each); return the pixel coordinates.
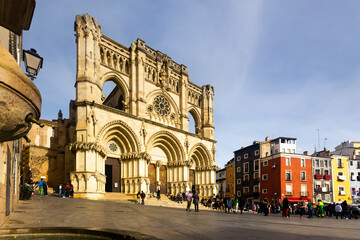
(114, 96)
(192, 124)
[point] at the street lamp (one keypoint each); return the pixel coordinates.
(33, 62)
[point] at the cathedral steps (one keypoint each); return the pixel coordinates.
(115, 196)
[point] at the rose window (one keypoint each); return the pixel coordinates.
(162, 106)
(113, 147)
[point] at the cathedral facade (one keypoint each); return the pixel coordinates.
(137, 137)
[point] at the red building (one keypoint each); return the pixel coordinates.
(286, 175)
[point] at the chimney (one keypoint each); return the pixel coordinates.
(305, 152)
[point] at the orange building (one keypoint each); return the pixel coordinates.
(286, 175)
(230, 178)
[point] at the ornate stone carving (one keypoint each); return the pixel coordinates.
(85, 146)
(135, 155)
(86, 24)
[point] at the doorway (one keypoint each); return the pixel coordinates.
(113, 175)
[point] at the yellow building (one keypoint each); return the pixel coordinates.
(341, 181)
(230, 178)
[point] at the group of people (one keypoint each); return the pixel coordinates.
(67, 191)
(141, 198)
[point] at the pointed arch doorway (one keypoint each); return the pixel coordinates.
(158, 170)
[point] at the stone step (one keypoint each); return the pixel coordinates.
(118, 196)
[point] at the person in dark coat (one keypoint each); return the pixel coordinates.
(286, 207)
(196, 201)
(143, 198)
(158, 194)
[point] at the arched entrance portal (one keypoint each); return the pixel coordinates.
(158, 170)
(113, 175)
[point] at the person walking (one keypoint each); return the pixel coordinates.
(235, 204)
(138, 198)
(60, 189)
(241, 206)
(310, 209)
(158, 194)
(286, 207)
(338, 211)
(301, 206)
(45, 186)
(344, 209)
(229, 204)
(143, 195)
(41, 187)
(321, 209)
(196, 202)
(189, 198)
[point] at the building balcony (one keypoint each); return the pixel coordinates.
(318, 176)
(327, 177)
(341, 178)
(304, 193)
(318, 189)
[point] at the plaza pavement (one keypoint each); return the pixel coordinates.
(173, 223)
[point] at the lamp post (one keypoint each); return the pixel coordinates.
(33, 62)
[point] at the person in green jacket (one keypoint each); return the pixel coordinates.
(321, 208)
(235, 204)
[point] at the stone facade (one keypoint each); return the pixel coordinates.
(142, 123)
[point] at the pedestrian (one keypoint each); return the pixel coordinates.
(265, 206)
(229, 204)
(71, 191)
(241, 206)
(188, 198)
(138, 197)
(45, 186)
(235, 204)
(67, 190)
(338, 211)
(301, 207)
(60, 189)
(225, 199)
(310, 209)
(286, 207)
(321, 209)
(196, 202)
(41, 187)
(344, 209)
(158, 194)
(143, 198)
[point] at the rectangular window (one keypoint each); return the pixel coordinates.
(317, 163)
(340, 163)
(264, 177)
(302, 162)
(303, 176)
(238, 169)
(256, 165)
(288, 161)
(246, 156)
(326, 164)
(289, 190)
(246, 167)
(326, 172)
(238, 158)
(256, 175)
(288, 175)
(283, 150)
(246, 177)
(257, 152)
(238, 193)
(264, 191)
(246, 190)
(358, 164)
(238, 181)
(317, 171)
(256, 189)
(351, 163)
(341, 190)
(265, 163)
(352, 176)
(304, 190)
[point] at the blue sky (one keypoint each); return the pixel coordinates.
(279, 68)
